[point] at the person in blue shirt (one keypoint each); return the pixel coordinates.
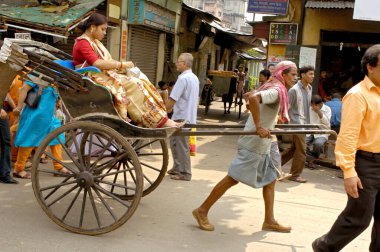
(336, 110)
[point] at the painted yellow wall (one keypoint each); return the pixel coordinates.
(333, 20)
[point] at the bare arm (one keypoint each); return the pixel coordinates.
(10, 101)
(112, 64)
(170, 105)
(254, 107)
(21, 99)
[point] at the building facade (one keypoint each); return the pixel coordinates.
(231, 12)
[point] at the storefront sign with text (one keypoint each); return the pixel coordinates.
(278, 7)
(283, 33)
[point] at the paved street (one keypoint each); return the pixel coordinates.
(163, 220)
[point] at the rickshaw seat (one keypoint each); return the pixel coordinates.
(70, 64)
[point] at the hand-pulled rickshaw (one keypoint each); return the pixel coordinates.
(112, 162)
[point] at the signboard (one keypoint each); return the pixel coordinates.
(308, 56)
(25, 35)
(367, 10)
(277, 7)
(150, 14)
(283, 33)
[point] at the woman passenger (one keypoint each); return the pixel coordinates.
(133, 97)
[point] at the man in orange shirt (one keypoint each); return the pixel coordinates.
(357, 153)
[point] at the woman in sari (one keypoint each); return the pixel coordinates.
(134, 98)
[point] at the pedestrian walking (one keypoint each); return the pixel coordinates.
(183, 101)
(299, 113)
(252, 165)
(357, 153)
(35, 124)
(5, 145)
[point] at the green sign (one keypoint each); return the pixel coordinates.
(150, 14)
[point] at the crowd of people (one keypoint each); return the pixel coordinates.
(280, 98)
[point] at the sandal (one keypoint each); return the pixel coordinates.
(297, 179)
(22, 175)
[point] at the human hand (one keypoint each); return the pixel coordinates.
(127, 64)
(262, 132)
(351, 186)
(314, 107)
(16, 113)
(3, 114)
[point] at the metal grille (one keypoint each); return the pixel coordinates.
(144, 50)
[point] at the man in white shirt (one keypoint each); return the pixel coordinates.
(183, 101)
(319, 114)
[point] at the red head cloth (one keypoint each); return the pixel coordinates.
(278, 83)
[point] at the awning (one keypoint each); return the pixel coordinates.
(246, 56)
(330, 4)
(51, 20)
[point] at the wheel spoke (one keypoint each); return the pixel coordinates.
(142, 146)
(115, 178)
(61, 163)
(112, 173)
(68, 153)
(63, 195)
(117, 185)
(57, 185)
(151, 167)
(89, 149)
(103, 145)
(125, 182)
(104, 203)
(100, 156)
(147, 179)
(81, 161)
(124, 203)
(83, 207)
(71, 204)
(94, 207)
(150, 154)
(53, 191)
(130, 172)
(115, 160)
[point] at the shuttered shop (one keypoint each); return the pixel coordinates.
(144, 50)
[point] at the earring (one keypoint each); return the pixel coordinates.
(92, 30)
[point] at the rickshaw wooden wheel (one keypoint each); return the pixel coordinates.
(153, 157)
(80, 200)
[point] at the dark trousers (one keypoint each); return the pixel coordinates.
(5, 145)
(358, 213)
(298, 152)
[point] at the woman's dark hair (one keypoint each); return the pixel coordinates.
(94, 19)
(265, 73)
(161, 83)
(370, 57)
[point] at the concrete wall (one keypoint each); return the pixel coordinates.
(321, 19)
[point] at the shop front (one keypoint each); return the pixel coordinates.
(151, 30)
